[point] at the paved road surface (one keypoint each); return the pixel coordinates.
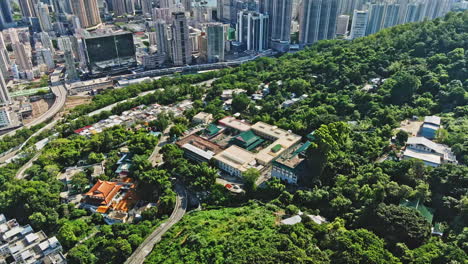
(20, 174)
(140, 254)
(60, 97)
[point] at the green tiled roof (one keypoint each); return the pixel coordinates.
(247, 140)
(212, 130)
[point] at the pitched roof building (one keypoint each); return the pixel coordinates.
(102, 193)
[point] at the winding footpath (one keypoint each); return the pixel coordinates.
(140, 254)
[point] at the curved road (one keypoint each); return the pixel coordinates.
(60, 97)
(139, 256)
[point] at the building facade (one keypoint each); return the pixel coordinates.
(252, 30)
(181, 45)
(215, 36)
(87, 12)
(279, 26)
(359, 25)
(317, 20)
(342, 25)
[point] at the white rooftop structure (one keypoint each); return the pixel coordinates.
(292, 220)
(431, 153)
(435, 120)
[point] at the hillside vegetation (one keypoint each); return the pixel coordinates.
(423, 71)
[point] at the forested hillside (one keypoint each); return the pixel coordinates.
(425, 72)
(421, 70)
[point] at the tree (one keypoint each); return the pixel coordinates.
(398, 224)
(401, 137)
(358, 246)
(250, 177)
(81, 255)
(177, 130)
(79, 182)
(240, 102)
(327, 141)
(95, 158)
(402, 87)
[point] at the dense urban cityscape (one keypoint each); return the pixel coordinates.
(233, 131)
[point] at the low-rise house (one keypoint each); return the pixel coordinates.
(431, 153)
(20, 244)
(202, 118)
(198, 149)
(430, 126)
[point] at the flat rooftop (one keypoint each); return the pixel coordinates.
(237, 157)
(200, 143)
(235, 123)
(88, 83)
(424, 156)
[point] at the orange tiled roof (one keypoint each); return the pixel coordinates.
(103, 190)
(127, 203)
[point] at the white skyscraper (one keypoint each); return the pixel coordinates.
(359, 25)
(376, 17)
(279, 28)
(342, 25)
(252, 30)
(317, 20)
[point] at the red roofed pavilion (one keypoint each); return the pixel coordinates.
(102, 193)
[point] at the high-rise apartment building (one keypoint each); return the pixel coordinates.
(44, 56)
(347, 7)
(147, 7)
(223, 10)
(392, 12)
(181, 45)
(252, 30)
(123, 7)
(359, 24)
(342, 25)
(162, 37)
(4, 59)
(87, 12)
(279, 28)
(215, 36)
(6, 17)
(72, 73)
(28, 8)
(4, 94)
(317, 20)
(22, 57)
(187, 5)
(414, 12)
(376, 17)
(44, 17)
(162, 13)
(46, 41)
